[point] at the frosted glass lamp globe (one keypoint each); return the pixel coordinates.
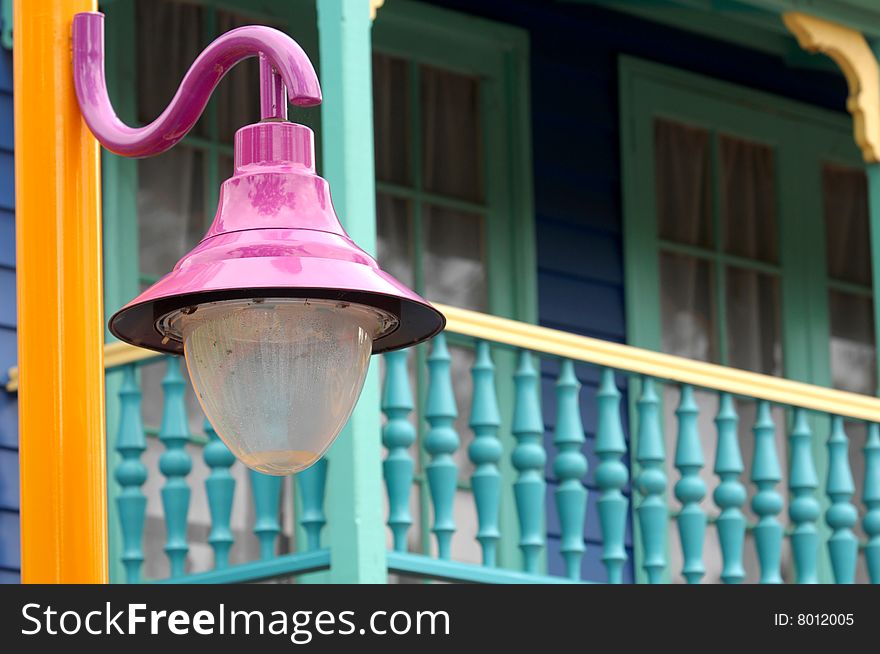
(278, 378)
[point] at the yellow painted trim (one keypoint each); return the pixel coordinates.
(121, 354)
(659, 365)
(851, 52)
(627, 358)
(374, 8)
(60, 311)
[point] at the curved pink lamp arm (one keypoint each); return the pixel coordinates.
(283, 63)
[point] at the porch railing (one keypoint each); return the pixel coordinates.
(823, 513)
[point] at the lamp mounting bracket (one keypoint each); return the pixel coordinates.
(285, 69)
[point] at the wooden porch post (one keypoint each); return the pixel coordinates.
(354, 507)
(60, 315)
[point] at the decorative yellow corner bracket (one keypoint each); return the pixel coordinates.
(851, 52)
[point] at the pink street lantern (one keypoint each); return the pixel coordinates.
(276, 310)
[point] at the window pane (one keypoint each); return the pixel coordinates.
(391, 120)
(683, 183)
(687, 307)
(454, 259)
(452, 140)
(225, 168)
(238, 95)
(853, 359)
(847, 243)
(171, 208)
(394, 237)
(238, 102)
(754, 334)
(748, 199)
(169, 38)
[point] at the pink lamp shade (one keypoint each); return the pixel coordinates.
(275, 235)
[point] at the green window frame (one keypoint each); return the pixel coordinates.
(649, 91)
(497, 55)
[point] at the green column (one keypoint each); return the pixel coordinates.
(355, 521)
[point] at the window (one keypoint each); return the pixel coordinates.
(719, 252)
(746, 237)
(850, 292)
(452, 189)
(431, 200)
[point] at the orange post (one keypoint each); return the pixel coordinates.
(60, 313)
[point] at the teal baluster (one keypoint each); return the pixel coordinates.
(841, 516)
(690, 489)
(767, 502)
(175, 463)
(131, 474)
(570, 467)
(312, 484)
(611, 476)
(398, 435)
(440, 443)
(220, 488)
(804, 508)
(529, 458)
(651, 482)
(871, 498)
(267, 505)
(485, 452)
(730, 494)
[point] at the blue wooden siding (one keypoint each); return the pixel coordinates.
(9, 532)
(575, 119)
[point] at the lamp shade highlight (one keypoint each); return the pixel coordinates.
(275, 235)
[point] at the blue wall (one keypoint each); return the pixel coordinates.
(9, 532)
(574, 58)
